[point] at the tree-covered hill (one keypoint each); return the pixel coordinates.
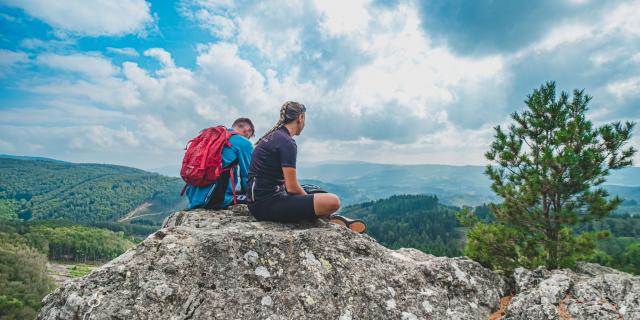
(43, 189)
(416, 221)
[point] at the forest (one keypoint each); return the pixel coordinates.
(25, 248)
(419, 221)
(53, 210)
(411, 221)
(43, 190)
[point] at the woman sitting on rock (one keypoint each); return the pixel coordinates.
(274, 192)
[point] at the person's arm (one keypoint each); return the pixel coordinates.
(288, 153)
(291, 181)
(244, 160)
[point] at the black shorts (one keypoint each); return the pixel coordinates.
(283, 207)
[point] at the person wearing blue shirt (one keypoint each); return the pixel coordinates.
(239, 152)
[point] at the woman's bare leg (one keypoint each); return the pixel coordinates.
(325, 204)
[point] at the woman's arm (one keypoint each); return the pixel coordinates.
(291, 181)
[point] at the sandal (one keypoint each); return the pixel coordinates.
(355, 225)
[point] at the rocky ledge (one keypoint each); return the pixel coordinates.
(590, 292)
(226, 265)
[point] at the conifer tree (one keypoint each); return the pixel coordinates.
(548, 167)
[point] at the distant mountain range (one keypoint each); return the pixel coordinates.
(357, 182)
(454, 185)
(9, 156)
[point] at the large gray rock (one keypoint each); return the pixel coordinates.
(590, 292)
(225, 265)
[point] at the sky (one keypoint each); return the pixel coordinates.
(408, 82)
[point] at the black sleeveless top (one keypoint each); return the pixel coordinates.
(275, 151)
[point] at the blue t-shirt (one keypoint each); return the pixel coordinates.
(275, 151)
(241, 149)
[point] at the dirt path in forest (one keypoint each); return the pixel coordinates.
(132, 214)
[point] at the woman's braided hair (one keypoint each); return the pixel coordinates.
(289, 112)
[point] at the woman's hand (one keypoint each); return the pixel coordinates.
(291, 181)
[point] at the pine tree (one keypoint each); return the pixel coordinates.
(547, 167)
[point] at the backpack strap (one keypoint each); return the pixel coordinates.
(233, 184)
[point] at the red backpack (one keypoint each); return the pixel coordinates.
(202, 162)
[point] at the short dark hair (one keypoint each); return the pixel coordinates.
(246, 121)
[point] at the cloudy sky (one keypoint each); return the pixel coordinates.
(130, 81)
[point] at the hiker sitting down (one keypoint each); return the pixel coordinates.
(230, 187)
(274, 193)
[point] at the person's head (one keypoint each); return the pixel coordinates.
(292, 116)
(244, 127)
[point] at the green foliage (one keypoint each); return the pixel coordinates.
(549, 168)
(23, 280)
(24, 247)
(624, 225)
(8, 209)
(79, 243)
(62, 240)
(80, 270)
(416, 221)
(622, 253)
(81, 192)
(631, 258)
(486, 241)
(616, 251)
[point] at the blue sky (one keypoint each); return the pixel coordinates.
(130, 81)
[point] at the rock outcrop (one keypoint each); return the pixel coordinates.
(590, 292)
(225, 265)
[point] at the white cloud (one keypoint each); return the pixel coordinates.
(7, 17)
(562, 35)
(343, 17)
(624, 19)
(441, 147)
(218, 25)
(8, 59)
(131, 52)
(90, 18)
(395, 88)
(275, 29)
(376, 86)
(231, 76)
(211, 15)
(578, 2)
(110, 91)
(61, 113)
(157, 132)
(624, 89)
(60, 140)
(34, 43)
(162, 55)
(87, 64)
